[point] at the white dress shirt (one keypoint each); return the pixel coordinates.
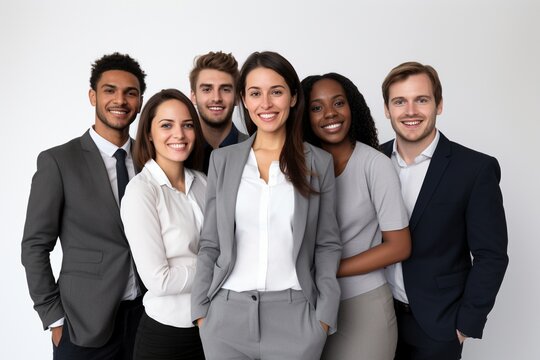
(264, 234)
(411, 177)
(163, 227)
(107, 150)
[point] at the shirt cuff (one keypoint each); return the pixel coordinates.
(59, 322)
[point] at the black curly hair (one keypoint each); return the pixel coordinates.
(117, 61)
(362, 125)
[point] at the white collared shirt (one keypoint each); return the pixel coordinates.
(163, 227)
(264, 234)
(411, 178)
(107, 150)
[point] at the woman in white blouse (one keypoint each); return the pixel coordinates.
(266, 286)
(162, 212)
(372, 217)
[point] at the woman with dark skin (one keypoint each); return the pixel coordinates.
(372, 218)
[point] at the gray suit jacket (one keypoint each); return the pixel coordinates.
(71, 199)
(317, 243)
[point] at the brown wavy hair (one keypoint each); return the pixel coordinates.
(215, 61)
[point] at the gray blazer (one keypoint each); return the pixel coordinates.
(317, 243)
(71, 199)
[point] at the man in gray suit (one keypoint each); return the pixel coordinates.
(94, 308)
(213, 81)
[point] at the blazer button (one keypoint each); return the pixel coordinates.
(254, 297)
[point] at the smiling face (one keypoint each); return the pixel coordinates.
(117, 100)
(214, 96)
(329, 112)
(172, 133)
(268, 99)
(412, 111)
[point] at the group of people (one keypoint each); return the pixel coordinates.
(303, 239)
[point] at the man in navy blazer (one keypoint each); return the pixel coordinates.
(445, 290)
(94, 308)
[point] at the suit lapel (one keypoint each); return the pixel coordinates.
(437, 167)
(387, 148)
(232, 175)
(137, 169)
(98, 173)
(301, 207)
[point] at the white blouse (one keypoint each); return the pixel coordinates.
(163, 227)
(264, 234)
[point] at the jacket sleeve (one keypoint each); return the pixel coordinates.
(41, 231)
(327, 251)
(487, 239)
(208, 249)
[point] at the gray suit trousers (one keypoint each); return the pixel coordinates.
(273, 325)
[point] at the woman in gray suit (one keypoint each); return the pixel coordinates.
(265, 285)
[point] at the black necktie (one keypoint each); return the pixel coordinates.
(122, 177)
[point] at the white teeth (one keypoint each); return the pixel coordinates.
(215, 108)
(118, 112)
(332, 126)
(177, 146)
(267, 116)
(411, 123)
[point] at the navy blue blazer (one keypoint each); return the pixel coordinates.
(459, 212)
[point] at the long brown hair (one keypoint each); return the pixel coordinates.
(291, 159)
(144, 150)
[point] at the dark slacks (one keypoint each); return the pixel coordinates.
(414, 344)
(119, 346)
(156, 341)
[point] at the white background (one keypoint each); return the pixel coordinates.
(486, 52)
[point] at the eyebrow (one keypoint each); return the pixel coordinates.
(116, 87)
(271, 87)
(212, 85)
(332, 98)
(171, 120)
(416, 97)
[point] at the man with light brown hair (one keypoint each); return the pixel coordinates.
(445, 290)
(213, 92)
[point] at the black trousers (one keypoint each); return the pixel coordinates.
(156, 341)
(119, 346)
(414, 344)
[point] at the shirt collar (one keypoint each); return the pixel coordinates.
(159, 175)
(230, 139)
(426, 154)
(107, 147)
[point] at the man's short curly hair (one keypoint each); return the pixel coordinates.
(117, 61)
